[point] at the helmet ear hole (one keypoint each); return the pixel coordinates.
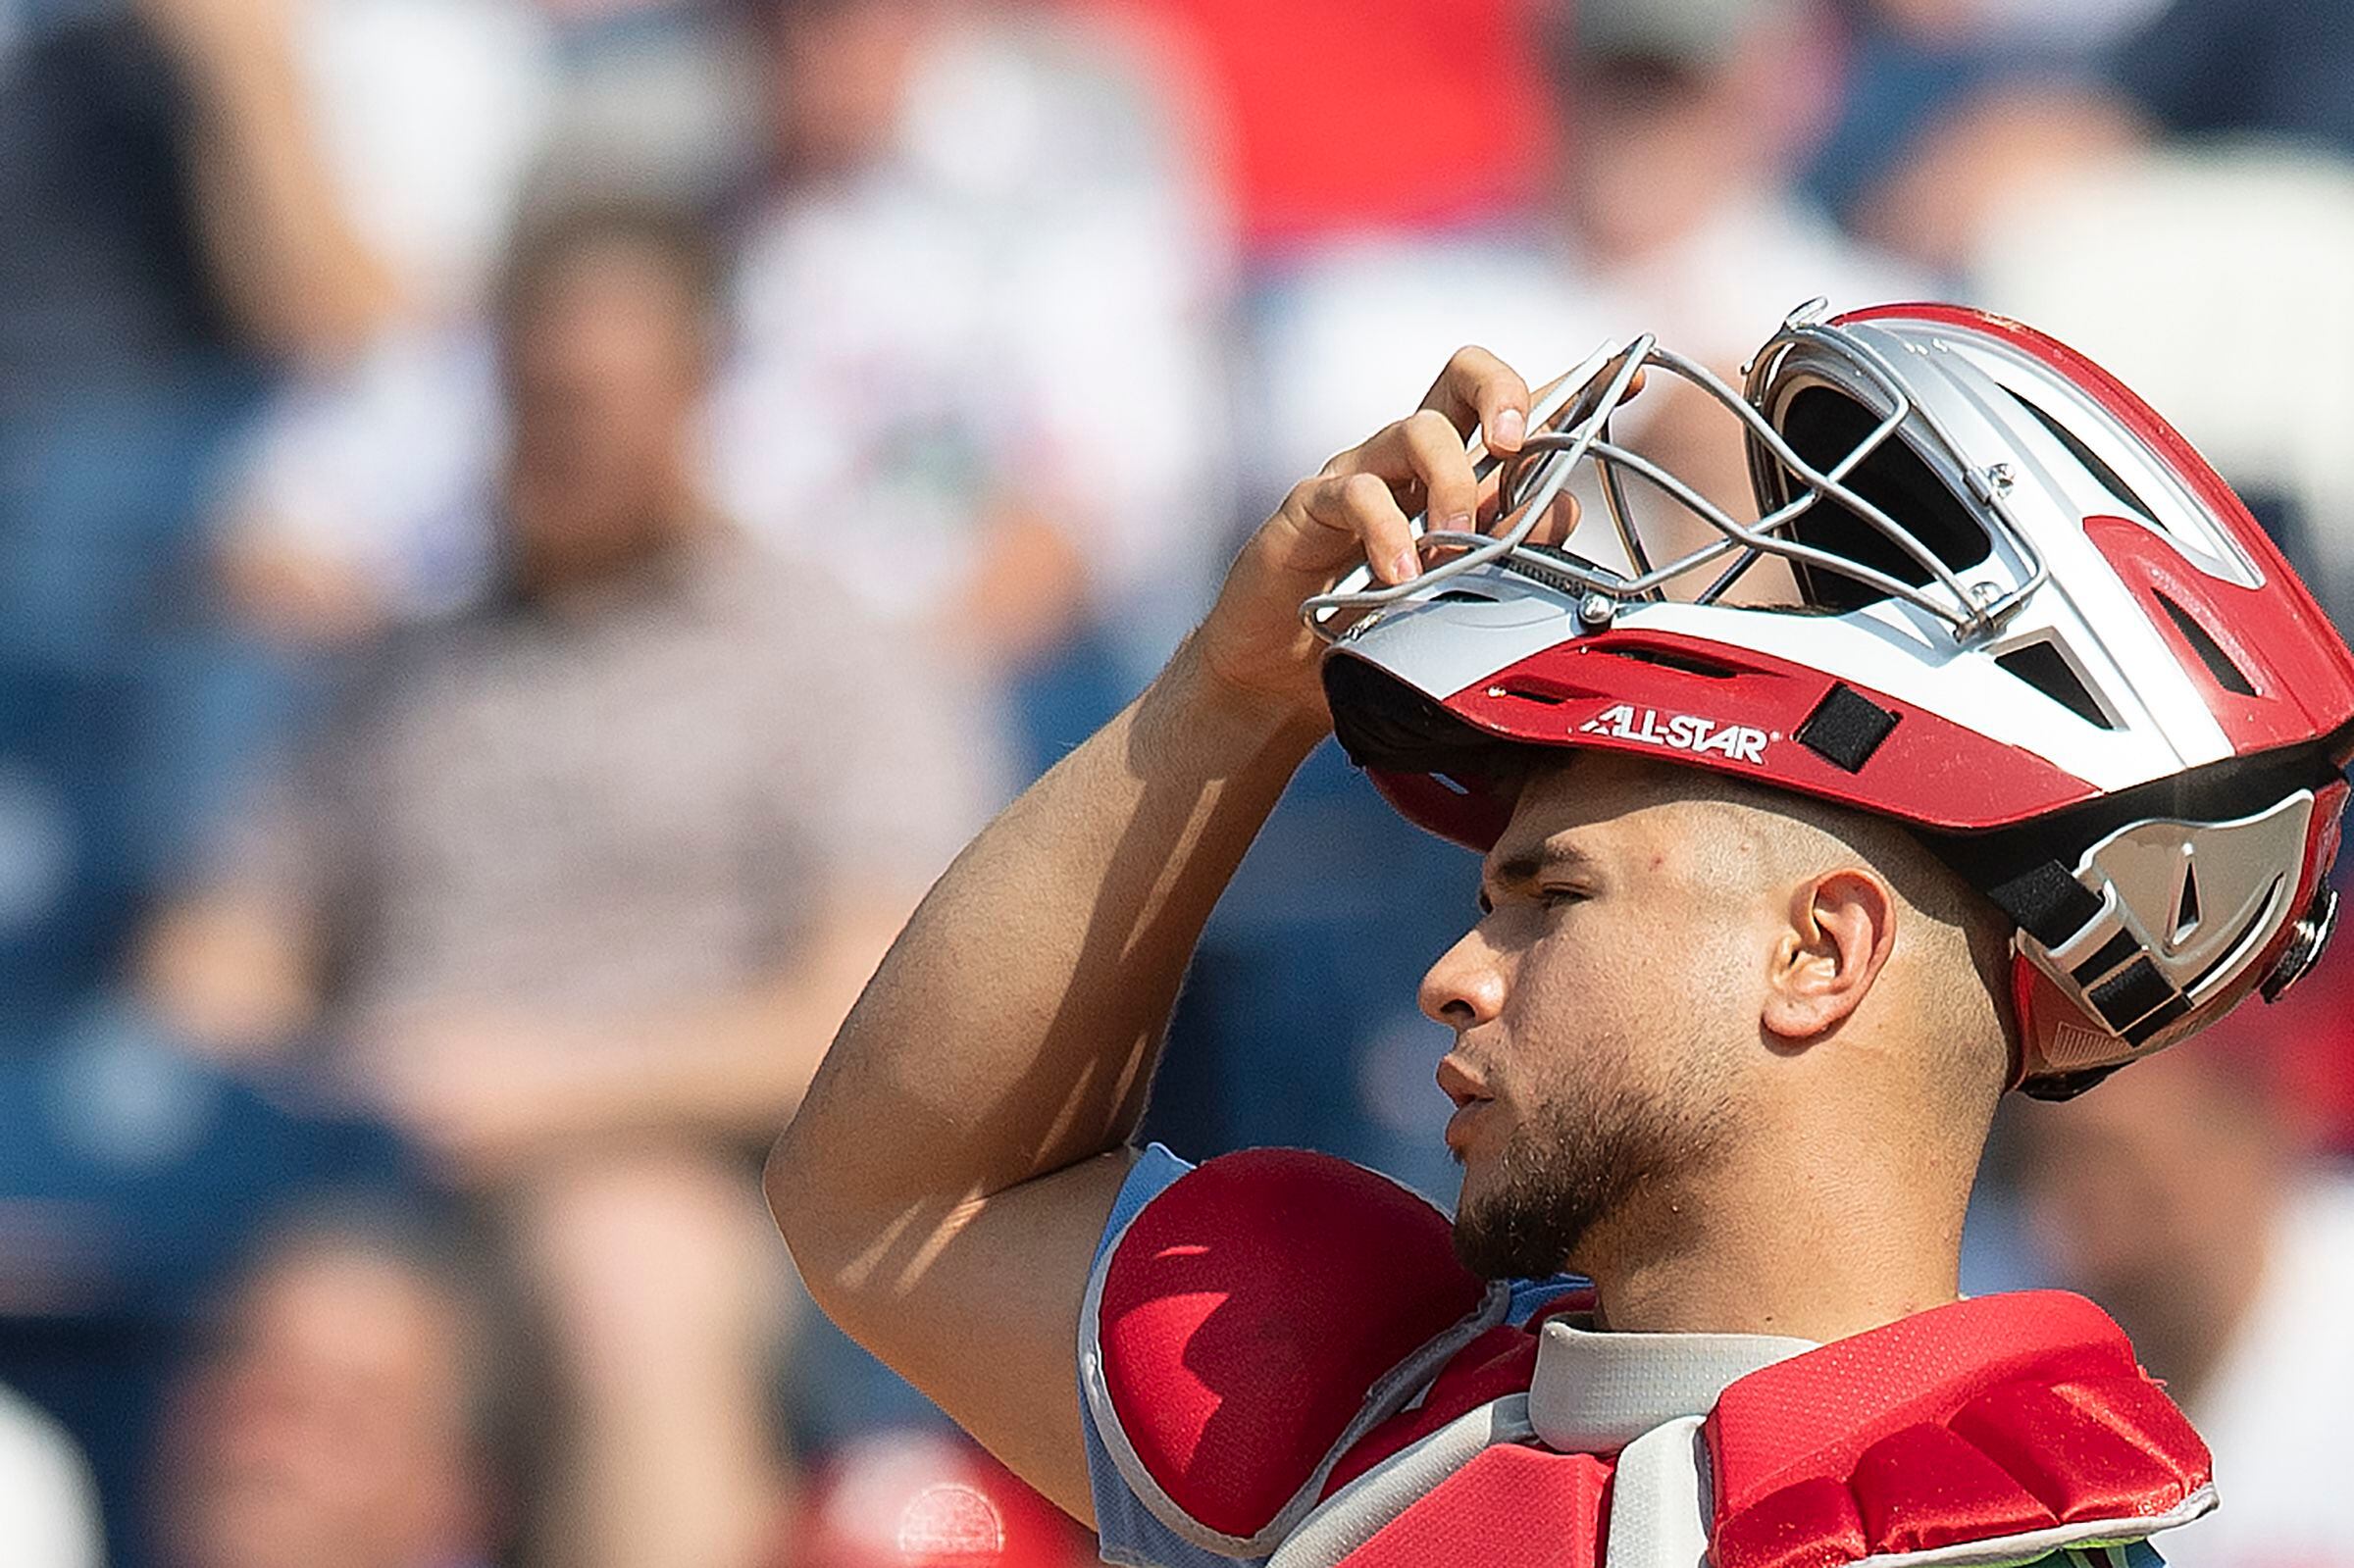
(1824, 425)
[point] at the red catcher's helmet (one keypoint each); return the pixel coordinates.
(2017, 612)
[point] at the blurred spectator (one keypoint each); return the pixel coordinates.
(52, 1518)
(1957, 107)
(169, 199)
(430, 114)
(132, 1179)
(979, 367)
(2175, 1195)
(173, 232)
(1974, 161)
(580, 886)
(342, 1410)
(1934, 83)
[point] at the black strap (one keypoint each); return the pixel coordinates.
(2047, 901)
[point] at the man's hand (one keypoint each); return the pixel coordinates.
(1356, 510)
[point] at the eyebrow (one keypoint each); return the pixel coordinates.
(1529, 865)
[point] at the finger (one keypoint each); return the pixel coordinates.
(1559, 522)
(1478, 390)
(1423, 456)
(1361, 505)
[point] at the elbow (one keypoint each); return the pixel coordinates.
(785, 1182)
(811, 1218)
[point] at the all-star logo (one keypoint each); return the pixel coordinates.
(1680, 732)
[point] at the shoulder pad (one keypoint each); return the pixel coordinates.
(1995, 1429)
(1252, 1322)
(1508, 1504)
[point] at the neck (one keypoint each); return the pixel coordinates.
(1817, 1240)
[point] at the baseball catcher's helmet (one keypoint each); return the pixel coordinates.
(2021, 616)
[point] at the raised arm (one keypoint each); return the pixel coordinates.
(286, 257)
(953, 1164)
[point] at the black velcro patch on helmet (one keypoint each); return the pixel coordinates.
(1846, 727)
(2131, 994)
(2047, 901)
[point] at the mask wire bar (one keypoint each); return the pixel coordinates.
(1572, 425)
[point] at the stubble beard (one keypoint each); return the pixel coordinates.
(1576, 1161)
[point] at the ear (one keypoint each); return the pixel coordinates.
(1841, 930)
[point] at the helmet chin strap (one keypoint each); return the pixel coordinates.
(2233, 911)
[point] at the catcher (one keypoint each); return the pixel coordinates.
(2000, 748)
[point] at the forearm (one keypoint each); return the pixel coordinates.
(285, 255)
(1012, 1029)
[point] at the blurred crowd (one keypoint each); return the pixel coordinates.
(530, 530)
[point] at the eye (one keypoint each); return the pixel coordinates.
(1559, 897)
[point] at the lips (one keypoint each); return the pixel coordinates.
(1459, 1083)
(1470, 1092)
(1463, 1126)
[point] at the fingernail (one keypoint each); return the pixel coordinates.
(1456, 523)
(1511, 425)
(1404, 567)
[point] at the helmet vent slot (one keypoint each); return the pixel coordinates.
(1825, 426)
(1688, 663)
(2103, 474)
(2044, 667)
(2211, 653)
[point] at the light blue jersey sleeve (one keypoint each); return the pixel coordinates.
(1131, 1535)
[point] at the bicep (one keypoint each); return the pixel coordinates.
(980, 1310)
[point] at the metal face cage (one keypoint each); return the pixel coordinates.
(1572, 425)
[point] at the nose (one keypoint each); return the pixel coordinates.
(1465, 989)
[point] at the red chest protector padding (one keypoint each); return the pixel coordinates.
(1249, 1309)
(1507, 1508)
(1984, 1419)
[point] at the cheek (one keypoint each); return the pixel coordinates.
(1594, 972)
(1598, 1006)
(1574, 1015)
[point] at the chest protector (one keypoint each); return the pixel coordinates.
(1284, 1358)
